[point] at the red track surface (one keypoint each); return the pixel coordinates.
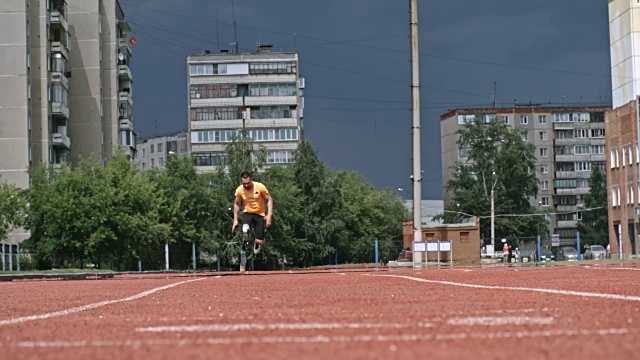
(478, 313)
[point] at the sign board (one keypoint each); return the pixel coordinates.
(489, 249)
(555, 240)
(445, 245)
(432, 246)
(419, 247)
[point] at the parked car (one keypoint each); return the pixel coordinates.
(546, 255)
(567, 254)
(595, 252)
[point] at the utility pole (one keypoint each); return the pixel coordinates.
(415, 107)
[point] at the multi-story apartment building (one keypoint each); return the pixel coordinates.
(153, 152)
(64, 76)
(65, 84)
(261, 92)
(622, 129)
(569, 142)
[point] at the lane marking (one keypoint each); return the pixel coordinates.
(91, 306)
(497, 321)
(324, 339)
(281, 326)
(493, 287)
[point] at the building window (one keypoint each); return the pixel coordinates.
(211, 91)
(544, 168)
(505, 119)
(160, 161)
(583, 166)
(581, 133)
(543, 135)
(151, 149)
(581, 117)
(615, 195)
(597, 149)
(542, 119)
(544, 185)
(160, 148)
(144, 152)
(597, 133)
(210, 159)
(281, 157)
(524, 120)
(274, 134)
(583, 183)
(144, 166)
(207, 69)
(525, 136)
(561, 118)
(216, 113)
(543, 152)
(630, 155)
(273, 68)
(545, 201)
(282, 89)
(624, 155)
(272, 112)
(153, 162)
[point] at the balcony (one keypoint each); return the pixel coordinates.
(126, 124)
(124, 72)
(59, 78)
(566, 208)
(271, 100)
(569, 191)
(60, 109)
(571, 141)
(58, 47)
(571, 224)
(57, 18)
(124, 43)
(61, 140)
(565, 174)
(216, 124)
(125, 96)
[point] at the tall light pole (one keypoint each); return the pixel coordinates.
(494, 180)
(415, 107)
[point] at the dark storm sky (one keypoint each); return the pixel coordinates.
(355, 57)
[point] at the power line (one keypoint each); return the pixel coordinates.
(448, 58)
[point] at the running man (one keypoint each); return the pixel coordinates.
(253, 194)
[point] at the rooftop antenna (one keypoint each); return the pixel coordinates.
(235, 29)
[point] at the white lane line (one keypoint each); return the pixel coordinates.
(240, 327)
(91, 306)
(498, 321)
(549, 291)
(325, 339)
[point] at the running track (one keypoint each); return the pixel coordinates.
(568, 312)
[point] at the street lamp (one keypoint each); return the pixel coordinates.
(538, 253)
(493, 229)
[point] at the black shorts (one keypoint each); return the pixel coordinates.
(258, 222)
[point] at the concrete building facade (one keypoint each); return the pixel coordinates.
(64, 66)
(569, 142)
(153, 152)
(261, 92)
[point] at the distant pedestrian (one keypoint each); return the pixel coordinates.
(517, 255)
(505, 253)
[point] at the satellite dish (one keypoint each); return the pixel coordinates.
(120, 56)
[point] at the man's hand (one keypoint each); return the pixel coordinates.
(268, 218)
(233, 228)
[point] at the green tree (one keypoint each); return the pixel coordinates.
(595, 222)
(495, 148)
(13, 208)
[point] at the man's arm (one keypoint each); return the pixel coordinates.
(236, 209)
(269, 207)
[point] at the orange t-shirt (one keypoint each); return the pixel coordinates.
(254, 198)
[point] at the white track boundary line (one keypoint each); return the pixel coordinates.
(278, 326)
(91, 306)
(323, 339)
(549, 291)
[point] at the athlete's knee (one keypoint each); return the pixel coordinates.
(245, 228)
